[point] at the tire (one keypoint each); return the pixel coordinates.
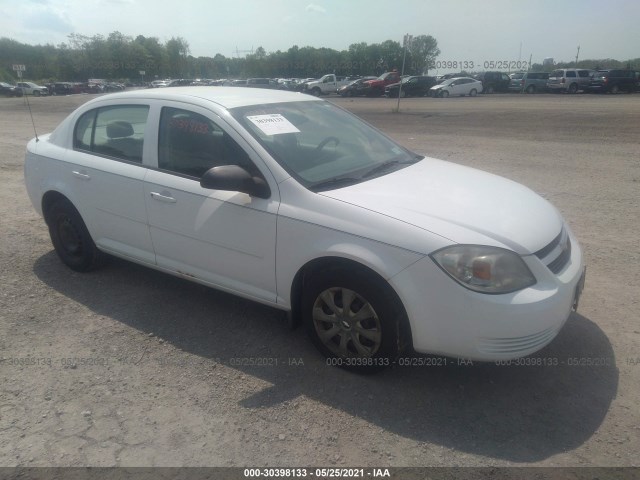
(489, 89)
(573, 88)
(473, 92)
(531, 89)
(403, 94)
(316, 92)
(366, 339)
(36, 93)
(444, 94)
(615, 89)
(71, 239)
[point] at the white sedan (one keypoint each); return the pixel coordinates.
(456, 86)
(290, 201)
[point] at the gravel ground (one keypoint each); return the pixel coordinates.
(131, 367)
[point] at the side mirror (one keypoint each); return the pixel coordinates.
(235, 179)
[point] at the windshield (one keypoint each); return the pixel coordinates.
(321, 145)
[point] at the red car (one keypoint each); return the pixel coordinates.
(375, 88)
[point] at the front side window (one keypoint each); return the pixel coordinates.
(115, 131)
(190, 144)
(321, 145)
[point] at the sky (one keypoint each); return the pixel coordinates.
(466, 30)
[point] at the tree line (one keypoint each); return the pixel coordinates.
(122, 57)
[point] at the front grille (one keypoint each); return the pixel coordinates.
(556, 254)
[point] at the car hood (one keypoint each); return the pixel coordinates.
(435, 87)
(463, 204)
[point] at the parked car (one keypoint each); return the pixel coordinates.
(457, 86)
(30, 88)
(417, 86)
(293, 202)
(355, 88)
(530, 82)
(9, 90)
(61, 88)
(328, 83)
(375, 87)
(613, 81)
(569, 80)
(494, 81)
(261, 83)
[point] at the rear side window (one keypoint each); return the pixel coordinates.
(556, 73)
(571, 74)
(116, 132)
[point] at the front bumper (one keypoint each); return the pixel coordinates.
(447, 319)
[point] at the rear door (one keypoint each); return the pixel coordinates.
(106, 171)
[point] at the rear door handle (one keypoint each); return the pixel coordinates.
(163, 197)
(81, 175)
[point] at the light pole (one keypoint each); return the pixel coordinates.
(407, 40)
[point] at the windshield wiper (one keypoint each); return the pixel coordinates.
(386, 166)
(333, 182)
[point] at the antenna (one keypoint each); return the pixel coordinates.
(19, 69)
(26, 98)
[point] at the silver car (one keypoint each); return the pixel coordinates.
(569, 80)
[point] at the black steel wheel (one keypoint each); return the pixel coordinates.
(71, 239)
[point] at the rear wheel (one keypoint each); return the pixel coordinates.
(71, 239)
(489, 89)
(573, 88)
(531, 89)
(353, 318)
(615, 89)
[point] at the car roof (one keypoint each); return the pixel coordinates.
(227, 97)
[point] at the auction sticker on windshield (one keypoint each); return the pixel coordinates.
(273, 124)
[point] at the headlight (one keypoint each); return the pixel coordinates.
(485, 269)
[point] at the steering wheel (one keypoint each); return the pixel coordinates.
(324, 142)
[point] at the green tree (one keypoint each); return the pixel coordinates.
(424, 51)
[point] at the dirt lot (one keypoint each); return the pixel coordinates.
(131, 367)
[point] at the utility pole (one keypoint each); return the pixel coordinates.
(578, 53)
(407, 40)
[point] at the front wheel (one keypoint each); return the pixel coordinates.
(573, 88)
(71, 239)
(531, 89)
(615, 89)
(353, 319)
(473, 92)
(444, 94)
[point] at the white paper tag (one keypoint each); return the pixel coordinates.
(273, 124)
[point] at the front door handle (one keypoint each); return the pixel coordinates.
(81, 175)
(163, 197)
